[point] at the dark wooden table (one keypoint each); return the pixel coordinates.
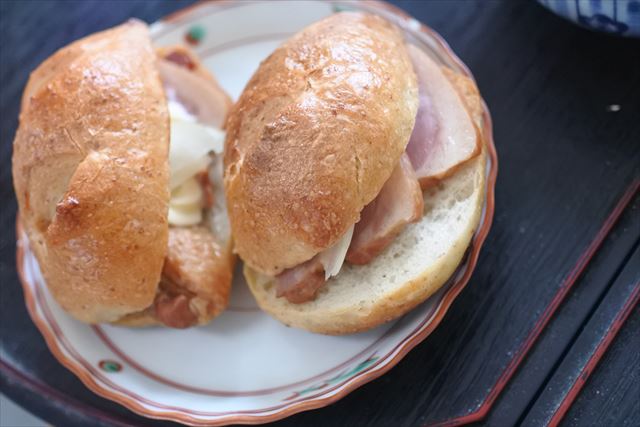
(548, 328)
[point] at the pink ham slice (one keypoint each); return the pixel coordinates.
(302, 282)
(398, 203)
(198, 95)
(444, 135)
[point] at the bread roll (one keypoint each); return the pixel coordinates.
(418, 262)
(91, 173)
(316, 133)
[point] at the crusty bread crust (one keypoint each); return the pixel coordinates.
(314, 136)
(91, 173)
(453, 207)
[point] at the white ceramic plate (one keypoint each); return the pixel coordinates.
(244, 367)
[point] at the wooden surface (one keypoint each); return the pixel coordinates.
(559, 265)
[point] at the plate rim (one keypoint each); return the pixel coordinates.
(419, 29)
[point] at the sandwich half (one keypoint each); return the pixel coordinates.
(117, 170)
(354, 175)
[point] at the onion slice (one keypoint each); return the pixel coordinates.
(218, 218)
(188, 193)
(189, 149)
(185, 215)
(332, 258)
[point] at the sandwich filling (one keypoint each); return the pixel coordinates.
(444, 137)
(196, 276)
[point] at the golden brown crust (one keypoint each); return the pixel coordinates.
(314, 136)
(91, 173)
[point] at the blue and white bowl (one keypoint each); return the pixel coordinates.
(620, 17)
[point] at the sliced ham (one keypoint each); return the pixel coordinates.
(444, 135)
(302, 282)
(200, 96)
(332, 258)
(173, 311)
(398, 203)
